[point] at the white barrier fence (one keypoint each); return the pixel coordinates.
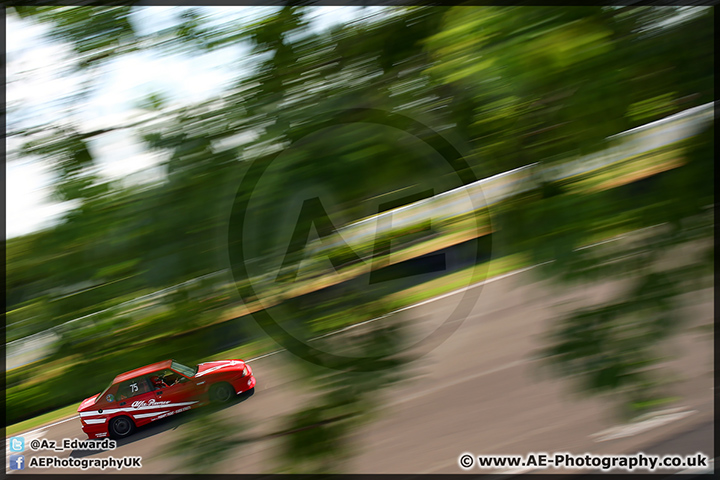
(485, 192)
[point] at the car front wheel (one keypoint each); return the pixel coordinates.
(221, 392)
(121, 427)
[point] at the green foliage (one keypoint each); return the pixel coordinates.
(651, 108)
(316, 437)
(208, 441)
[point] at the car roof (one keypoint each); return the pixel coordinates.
(138, 372)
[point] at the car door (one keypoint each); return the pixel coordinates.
(180, 396)
(135, 398)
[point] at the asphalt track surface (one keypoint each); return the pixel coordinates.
(482, 391)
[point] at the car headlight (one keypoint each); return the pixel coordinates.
(245, 372)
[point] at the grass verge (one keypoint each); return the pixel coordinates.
(40, 420)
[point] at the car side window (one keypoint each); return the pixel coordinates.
(171, 378)
(111, 394)
(133, 387)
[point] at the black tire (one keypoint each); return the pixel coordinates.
(121, 427)
(221, 393)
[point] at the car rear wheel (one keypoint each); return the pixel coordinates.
(221, 392)
(121, 427)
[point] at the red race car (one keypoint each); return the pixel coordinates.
(146, 394)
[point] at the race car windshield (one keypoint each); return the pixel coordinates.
(180, 368)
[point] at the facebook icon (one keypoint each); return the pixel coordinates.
(17, 462)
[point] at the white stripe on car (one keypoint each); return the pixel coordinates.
(144, 415)
(130, 409)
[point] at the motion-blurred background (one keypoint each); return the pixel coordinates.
(587, 154)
